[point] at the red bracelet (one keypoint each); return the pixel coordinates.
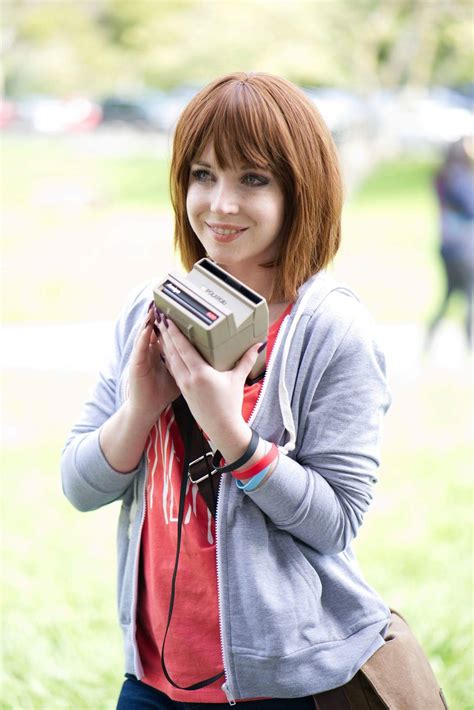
(262, 463)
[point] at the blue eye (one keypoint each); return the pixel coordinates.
(201, 175)
(253, 180)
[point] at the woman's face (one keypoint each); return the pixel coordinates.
(236, 213)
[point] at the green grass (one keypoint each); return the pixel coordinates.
(81, 227)
(416, 545)
(60, 641)
(61, 645)
(389, 252)
(36, 168)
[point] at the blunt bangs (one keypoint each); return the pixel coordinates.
(243, 125)
(261, 121)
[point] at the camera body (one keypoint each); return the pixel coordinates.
(219, 314)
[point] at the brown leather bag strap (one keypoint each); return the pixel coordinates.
(200, 469)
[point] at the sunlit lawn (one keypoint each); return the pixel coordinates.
(61, 644)
(83, 226)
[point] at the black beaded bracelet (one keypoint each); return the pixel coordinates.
(246, 456)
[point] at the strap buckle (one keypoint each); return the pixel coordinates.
(201, 464)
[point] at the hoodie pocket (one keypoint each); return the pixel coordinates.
(288, 590)
(286, 543)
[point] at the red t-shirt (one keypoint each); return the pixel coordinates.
(193, 647)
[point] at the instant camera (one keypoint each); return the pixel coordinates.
(219, 314)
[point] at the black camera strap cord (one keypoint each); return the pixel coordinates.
(195, 447)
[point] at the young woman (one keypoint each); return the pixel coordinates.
(269, 604)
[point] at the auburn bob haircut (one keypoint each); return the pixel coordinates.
(262, 120)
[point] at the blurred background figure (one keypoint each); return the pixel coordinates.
(454, 185)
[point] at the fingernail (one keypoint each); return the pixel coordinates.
(157, 315)
(155, 330)
(165, 320)
(152, 304)
(162, 358)
(149, 322)
(262, 347)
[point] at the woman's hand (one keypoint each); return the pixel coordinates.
(151, 387)
(214, 398)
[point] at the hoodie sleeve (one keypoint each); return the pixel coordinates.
(321, 492)
(88, 480)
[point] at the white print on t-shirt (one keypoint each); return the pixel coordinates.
(160, 448)
(152, 442)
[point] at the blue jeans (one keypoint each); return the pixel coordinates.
(136, 695)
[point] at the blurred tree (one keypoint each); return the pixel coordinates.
(108, 45)
(68, 46)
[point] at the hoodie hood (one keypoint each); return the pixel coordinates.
(310, 296)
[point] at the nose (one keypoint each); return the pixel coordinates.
(224, 199)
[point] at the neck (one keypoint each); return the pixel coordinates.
(258, 279)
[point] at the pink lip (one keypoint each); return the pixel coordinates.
(223, 225)
(225, 237)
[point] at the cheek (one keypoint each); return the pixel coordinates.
(274, 212)
(280, 212)
(192, 206)
(189, 203)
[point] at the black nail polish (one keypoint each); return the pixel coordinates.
(262, 347)
(155, 330)
(165, 320)
(147, 324)
(162, 358)
(157, 316)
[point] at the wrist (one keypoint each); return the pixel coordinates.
(259, 462)
(232, 442)
(122, 439)
(138, 418)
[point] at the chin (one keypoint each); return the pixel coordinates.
(224, 256)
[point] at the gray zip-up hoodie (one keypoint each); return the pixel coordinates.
(312, 621)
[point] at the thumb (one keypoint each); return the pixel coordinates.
(248, 359)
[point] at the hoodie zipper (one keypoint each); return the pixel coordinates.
(133, 609)
(133, 605)
(226, 686)
(268, 369)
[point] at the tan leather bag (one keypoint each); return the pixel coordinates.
(398, 676)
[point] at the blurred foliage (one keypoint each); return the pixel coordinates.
(118, 45)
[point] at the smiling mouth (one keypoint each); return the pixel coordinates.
(226, 231)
